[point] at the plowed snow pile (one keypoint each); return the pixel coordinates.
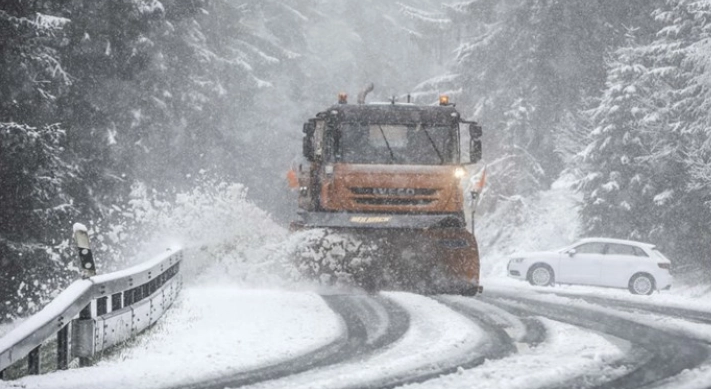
(233, 313)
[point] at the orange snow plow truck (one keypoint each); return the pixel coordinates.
(383, 185)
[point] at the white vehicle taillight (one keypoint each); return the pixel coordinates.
(664, 265)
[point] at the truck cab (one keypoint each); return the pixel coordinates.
(393, 158)
(389, 176)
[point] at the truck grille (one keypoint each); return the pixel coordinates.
(394, 191)
(417, 197)
(391, 201)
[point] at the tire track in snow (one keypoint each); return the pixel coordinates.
(655, 355)
(521, 329)
(497, 344)
(685, 322)
(439, 340)
(687, 314)
(371, 322)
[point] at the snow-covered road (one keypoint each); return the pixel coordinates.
(512, 336)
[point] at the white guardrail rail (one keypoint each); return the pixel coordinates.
(92, 315)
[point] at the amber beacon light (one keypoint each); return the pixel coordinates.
(342, 98)
(443, 100)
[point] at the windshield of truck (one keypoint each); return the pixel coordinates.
(415, 144)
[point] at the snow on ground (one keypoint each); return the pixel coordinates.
(6, 328)
(209, 332)
(583, 351)
(682, 296)
(689, 379)
(437, 335)
(668, 323)
(548, 221)
(234, 246)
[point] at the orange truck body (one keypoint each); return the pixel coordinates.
(416, 206)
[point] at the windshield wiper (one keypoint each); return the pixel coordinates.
(441, 159)
(392, 156)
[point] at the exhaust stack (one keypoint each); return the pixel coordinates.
(361, 95)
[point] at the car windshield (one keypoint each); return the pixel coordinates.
(411, 144)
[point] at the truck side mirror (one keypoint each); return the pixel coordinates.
(473, 135)
(307, 141)
(318, 138)
(475, 150)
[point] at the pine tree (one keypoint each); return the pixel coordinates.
(543, 57)
(31, 73)
(36, 169)
(617, 185)
(659, 112)
(35, 214)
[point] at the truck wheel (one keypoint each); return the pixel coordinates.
(541, 275)
(641, 283)
(470, 291)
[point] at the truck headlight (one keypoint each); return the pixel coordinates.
(459, 172)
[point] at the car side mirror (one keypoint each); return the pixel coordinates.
(571, 252)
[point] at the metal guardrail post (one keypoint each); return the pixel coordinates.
(102, 305)
(84, 337)
(116, 302)
(33, 361)
(63, 348)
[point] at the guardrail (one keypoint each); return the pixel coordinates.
(92, 315)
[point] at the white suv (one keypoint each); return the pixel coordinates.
(637, 266)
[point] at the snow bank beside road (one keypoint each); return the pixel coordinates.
(568, 353)
(550, 221)
(211, 331)
(545, 222)
(688, 297)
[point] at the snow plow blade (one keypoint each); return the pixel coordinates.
(378, 221)
(421, 253)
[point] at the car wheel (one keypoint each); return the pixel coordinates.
(641, 284)
(541, 275)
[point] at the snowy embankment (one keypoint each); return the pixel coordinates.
(243, 307)
(232, 314)
(550, 221)
(211, 331)
(544, 222)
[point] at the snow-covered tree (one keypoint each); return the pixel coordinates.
(35, 214)
(527, 68)
(618, 187)
(31, 74)
(642, 177)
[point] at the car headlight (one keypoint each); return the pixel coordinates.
(516, 260)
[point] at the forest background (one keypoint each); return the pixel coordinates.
(107, 105)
